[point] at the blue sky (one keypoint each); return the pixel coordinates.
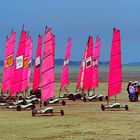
(77, 19)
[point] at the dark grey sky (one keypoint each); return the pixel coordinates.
(77, 19)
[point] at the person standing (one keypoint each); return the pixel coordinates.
(132, 91)
(128, 87)
(136, 86)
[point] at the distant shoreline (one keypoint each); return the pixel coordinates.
(129, 73)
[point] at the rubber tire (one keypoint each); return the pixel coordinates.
(83, 95)
(24, 102)
(18, 108)
(31, 92)
(71, 97)
(33, 102)
(63, 102)
(1, 99)
(62, 112)
(36, 102)
(74, 98)
(78, 96)
(126, 107)
(106, 98)
(45, 103)
(33, 113)
(102, 107)
(20, 98)
(100, 99)
(33, 106)
(84, 99)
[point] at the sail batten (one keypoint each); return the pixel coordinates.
(48, 84)
(47, 70)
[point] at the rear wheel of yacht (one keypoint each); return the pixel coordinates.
(102, 107)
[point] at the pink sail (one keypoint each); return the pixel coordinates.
(85, 73)
(48, 85)
(25, 65)
(65, 68)
(37, 65)
(115, 71)
(81, 71)
(79, 79)
(30, 61)
(96, 55)
(8, 63)
(87, 77)
(16, 86)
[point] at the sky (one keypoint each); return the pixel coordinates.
(76, 19)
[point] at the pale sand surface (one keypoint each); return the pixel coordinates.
(82, 121)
